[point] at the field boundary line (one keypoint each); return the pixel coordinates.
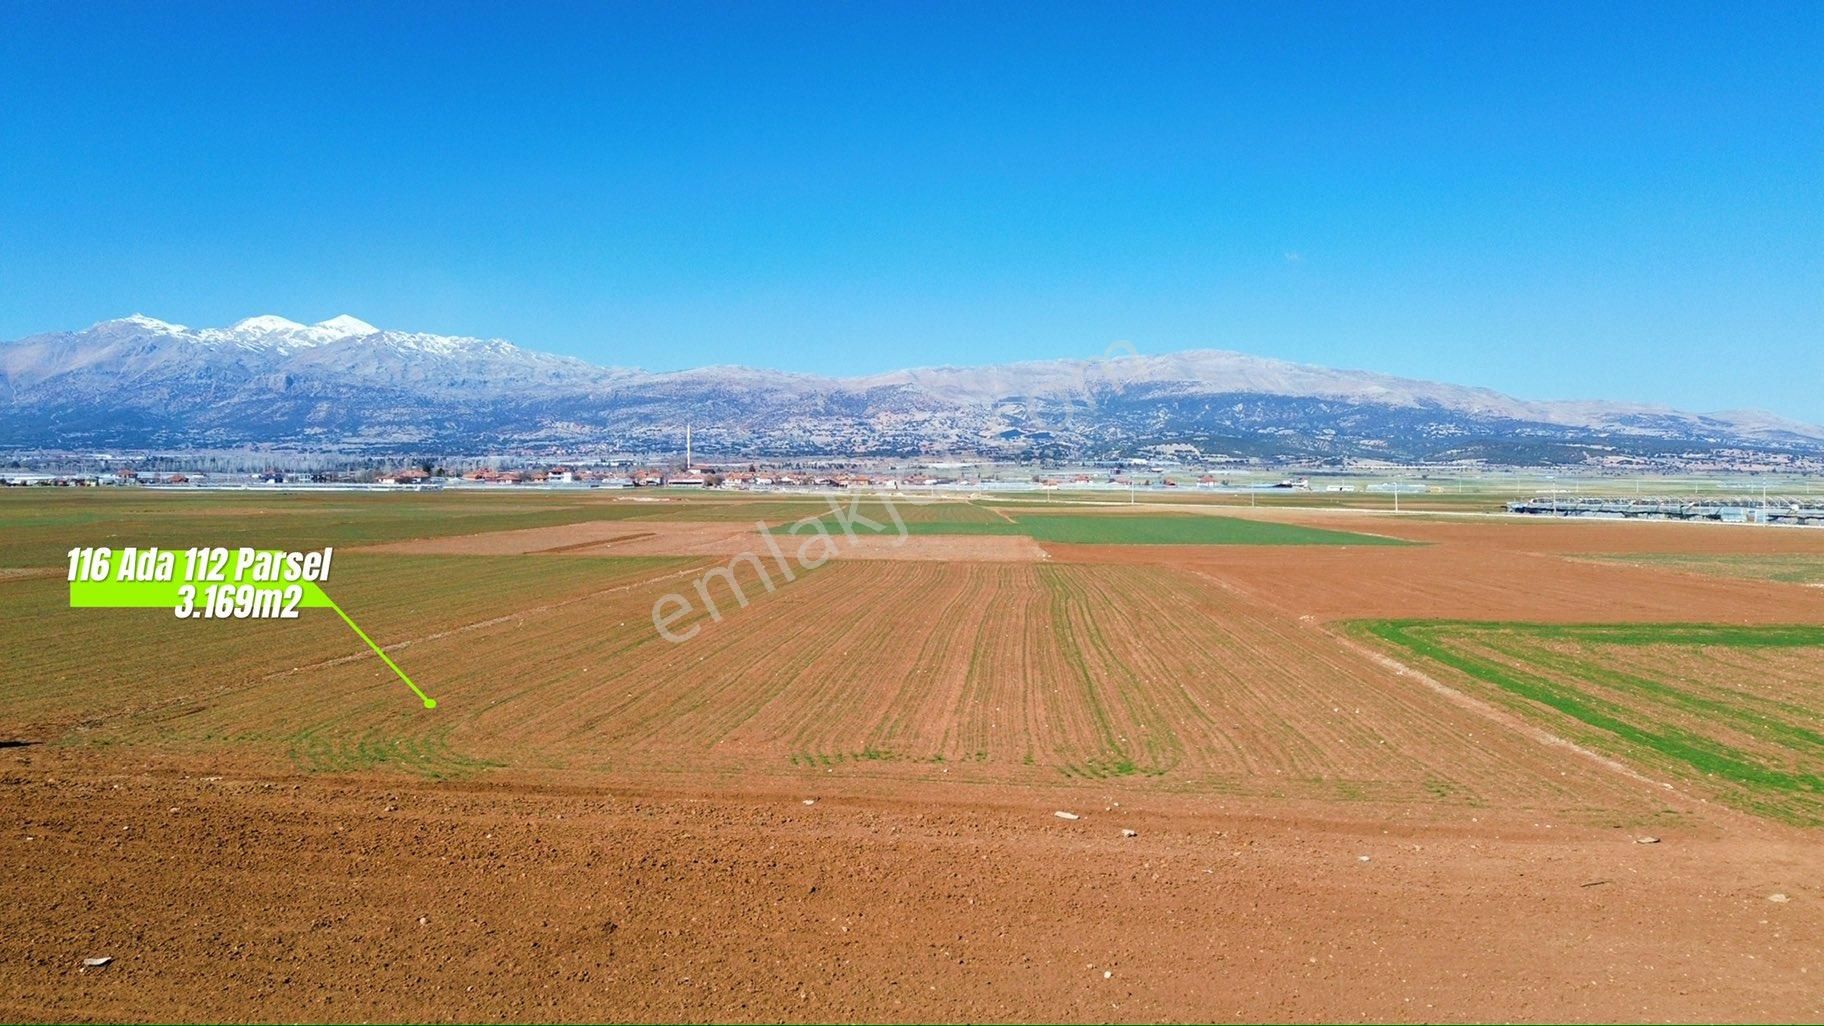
(580, 546)
(1502, 716)
(1499, 717)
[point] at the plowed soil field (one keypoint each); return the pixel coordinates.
(1497, 773)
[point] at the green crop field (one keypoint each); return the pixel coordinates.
(1737, 712)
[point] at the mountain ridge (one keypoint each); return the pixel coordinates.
(342, 382)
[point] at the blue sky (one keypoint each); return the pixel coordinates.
(1557, 200)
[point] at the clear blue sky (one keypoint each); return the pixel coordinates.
(1558, 200)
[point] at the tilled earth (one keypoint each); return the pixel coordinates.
(242, 895)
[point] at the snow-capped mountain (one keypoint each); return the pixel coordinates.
(344, 383)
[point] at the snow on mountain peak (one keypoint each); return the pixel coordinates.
(144, 323)
(265, 324)
(345, 326)
(269, 331)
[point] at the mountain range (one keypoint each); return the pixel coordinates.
(344, 384)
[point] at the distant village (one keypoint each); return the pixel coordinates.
(1151, 470)
(731, 477)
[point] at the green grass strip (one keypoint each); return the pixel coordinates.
(1705, 756)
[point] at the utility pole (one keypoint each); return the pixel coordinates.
(686, 445)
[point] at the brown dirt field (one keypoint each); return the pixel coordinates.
(230, 895)
(523, 541)
(662, 538)
(598, 824)
(961, 548)
(592, 538)
(993, 674)
(1461, 575)
(681, 538)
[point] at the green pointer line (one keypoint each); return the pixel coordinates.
(127, 593)
(429, 702)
